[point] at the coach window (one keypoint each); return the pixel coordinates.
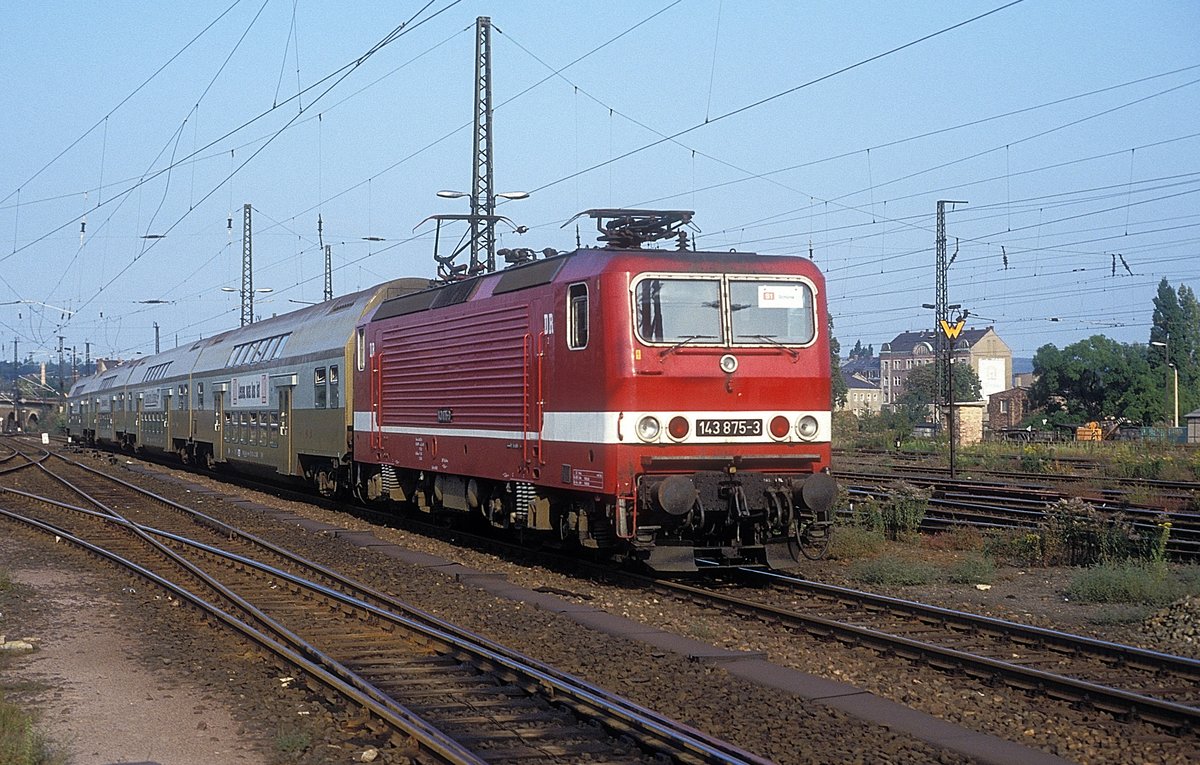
(334, 398)
(183, 394)
(577, 317)
(320, 389)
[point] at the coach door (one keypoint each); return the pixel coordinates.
(285, 428)
(220, 425)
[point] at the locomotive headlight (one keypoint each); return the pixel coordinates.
(648, 428)
(807, 427)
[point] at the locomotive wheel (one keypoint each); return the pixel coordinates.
(813, 540)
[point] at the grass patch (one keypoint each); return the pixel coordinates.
(1121, 613)
(21, 743)
(292, 741)
(973, 569)
(854, 542)
(1127, 582)
(890, 570)
(957, 538)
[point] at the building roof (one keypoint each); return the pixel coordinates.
(868, 366)
(857, 382)
(905, 342)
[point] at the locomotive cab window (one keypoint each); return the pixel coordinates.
(577, 317)
(771, 311)
(678, 310)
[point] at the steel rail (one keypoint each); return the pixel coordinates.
(432, 740)
(588, 699)
(1180, 717)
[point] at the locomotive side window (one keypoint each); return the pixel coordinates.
(320, 389)
(577, 317)
(360, 350)
(670, 310)
(334, 398)
(771, 311)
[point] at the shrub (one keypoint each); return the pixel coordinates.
(974, 569)
(851, 542)
(904, 509)
(890, 570)
(1157, 538)
(1075, 533)
(1127, 582)
(1034, 459)
(867, 514)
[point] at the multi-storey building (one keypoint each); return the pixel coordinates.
(988, 355)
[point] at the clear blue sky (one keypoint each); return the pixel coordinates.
(1071, 128)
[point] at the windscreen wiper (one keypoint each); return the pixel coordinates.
(771, 339)
(686, 339)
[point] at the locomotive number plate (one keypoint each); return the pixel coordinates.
(729, 427)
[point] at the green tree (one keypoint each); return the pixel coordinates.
(859, 351)
(920, 388)
(1097, 378)
(1175, 327)
(838, 391)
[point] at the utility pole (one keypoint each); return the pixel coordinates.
(61, 389)
(483, 199)
(156, 337)
(945, 380)
(247, 269)
(328, 272)
(16, 396)
(87, 354)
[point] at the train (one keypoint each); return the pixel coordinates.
(662, 405)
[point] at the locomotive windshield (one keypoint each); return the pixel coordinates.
(707, 311)
(771, 310)
(676, 310)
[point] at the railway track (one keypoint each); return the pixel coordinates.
(1128, 682)
(449, 694)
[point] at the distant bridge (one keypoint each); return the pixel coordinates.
(28, 414)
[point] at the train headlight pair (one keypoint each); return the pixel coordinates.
(807, 427)
(649, 428)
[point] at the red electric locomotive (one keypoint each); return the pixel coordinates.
(670, 404)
